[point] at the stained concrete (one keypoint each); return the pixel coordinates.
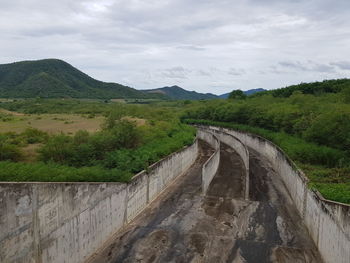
(328, 222)
(211, 166)
(182, 225)
(67, 222)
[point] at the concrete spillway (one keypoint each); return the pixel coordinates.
(183, 225)
(238, 198)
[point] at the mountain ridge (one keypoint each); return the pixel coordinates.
(178, 93)
(52, 78)
(247, 92)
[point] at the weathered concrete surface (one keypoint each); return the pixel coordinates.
(184, 226)
(211, 166)
(67, 222)
(327, 222)
(240, 149)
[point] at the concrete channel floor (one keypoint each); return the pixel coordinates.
(182, 225)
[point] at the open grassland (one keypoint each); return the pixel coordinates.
(75, 140)
(50, 123)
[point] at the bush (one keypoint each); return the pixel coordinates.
(32, 135)
(332, 129)
(9, 152)
(50, 172)
(59, 148)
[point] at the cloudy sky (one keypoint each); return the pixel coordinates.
(204, 45)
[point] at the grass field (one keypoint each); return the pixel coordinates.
(51, 123)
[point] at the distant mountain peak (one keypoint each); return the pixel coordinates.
(55, 78)
(177, 93)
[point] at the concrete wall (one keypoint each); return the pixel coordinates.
(239, 147)
(328, 222)
(214, 137)
(211, 166)
(67, 222)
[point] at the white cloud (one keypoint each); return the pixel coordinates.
(208, 46)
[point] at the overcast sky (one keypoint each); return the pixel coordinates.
(204, 45)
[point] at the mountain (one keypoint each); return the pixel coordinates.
(53, 78)
(177, 93)
(253, 91)
(247, 92)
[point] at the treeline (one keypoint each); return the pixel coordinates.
(311, 122)
(315, 88)
(324, 120)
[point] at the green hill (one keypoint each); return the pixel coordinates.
(313, 88)
(177, 93)
(53, 78)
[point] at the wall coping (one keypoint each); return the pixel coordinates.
(215, 152)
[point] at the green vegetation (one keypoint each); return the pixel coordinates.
(130, 139)
(316, 88)
(297, 149)
(237, 94)
(52, 78)
(311, 122)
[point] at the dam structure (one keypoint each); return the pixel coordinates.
(228, 197)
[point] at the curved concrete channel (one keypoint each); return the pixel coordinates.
(182, 225)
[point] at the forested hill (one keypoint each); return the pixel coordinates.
(314, 88)
(53, 78)
(177, 93)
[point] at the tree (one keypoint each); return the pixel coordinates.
(237, 95)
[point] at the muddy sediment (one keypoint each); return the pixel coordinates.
(182, 225)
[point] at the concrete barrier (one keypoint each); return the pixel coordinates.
(242, 151)
(211, 136)
(57, 222)
(211, 166)
(67, 222)
(328, 222)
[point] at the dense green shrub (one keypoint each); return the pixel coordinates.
(50, 172)
(84, 149)
(332, 128)
(9, 152)
(32, 135)
(5, 117)
(297, 148)
(90, 157)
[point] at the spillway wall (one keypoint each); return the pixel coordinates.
(67, 222)
(211, 166)
(328, 222)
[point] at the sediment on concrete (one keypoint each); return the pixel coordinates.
(240, 148)
(328, 222)
(211, 166)
(67, 222)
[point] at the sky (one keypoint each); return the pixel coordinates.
(211, 46)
